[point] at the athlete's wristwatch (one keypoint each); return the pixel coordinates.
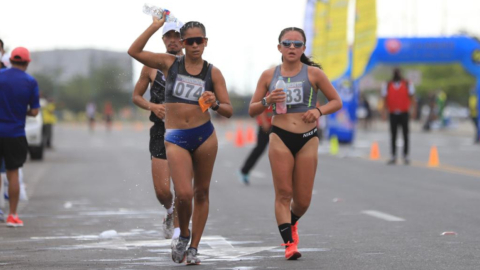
(217, 105)
(264, 102)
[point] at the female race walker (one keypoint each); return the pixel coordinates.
(293, 139)
(190, 138)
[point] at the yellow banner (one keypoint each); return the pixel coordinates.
(365, 35)
(319, 43)
(330, 47)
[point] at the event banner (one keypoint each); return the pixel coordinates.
(365, 35)
(319, 21)
(335, 60)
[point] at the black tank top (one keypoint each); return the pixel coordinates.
(157, 94)
(182, 87)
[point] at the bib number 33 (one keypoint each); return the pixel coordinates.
(188, 88)
(294, 93)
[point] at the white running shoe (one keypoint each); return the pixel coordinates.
(179, 247)
(168, 226)
(192, 258)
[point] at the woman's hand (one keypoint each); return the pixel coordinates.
(276, 96)
(209, 97)
(311, 116)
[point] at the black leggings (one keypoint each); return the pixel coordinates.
(294, 141)
(395, 121)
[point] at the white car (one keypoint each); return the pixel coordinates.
(34, 134)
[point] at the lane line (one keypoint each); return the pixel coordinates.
(382, 215)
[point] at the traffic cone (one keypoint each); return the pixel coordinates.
(374, 152)
(334, 145)
(433, 160)
(239, 142)
(250, 135)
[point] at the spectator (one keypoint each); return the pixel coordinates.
(399, 98)
(19, 97)
(49, 119)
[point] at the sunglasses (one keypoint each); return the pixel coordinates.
(296, 43)
(190, 41)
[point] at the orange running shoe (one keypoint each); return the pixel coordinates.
(295, 237)
(291, 252)
(14, 221)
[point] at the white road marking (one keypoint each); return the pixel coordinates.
(220, 249)
(382, 215)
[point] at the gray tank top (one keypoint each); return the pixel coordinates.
(301, 96)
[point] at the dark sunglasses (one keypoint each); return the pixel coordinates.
(296, 43)
(190, 41)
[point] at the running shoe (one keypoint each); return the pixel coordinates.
(244, 178)
(295, 237)
(392, 161)
(2, 217)
(291, 251)
(168, 226)
(192, 258)
(179, 247)
(14, 221)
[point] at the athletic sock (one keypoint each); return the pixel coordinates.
(286, 232)
(295, 218)
(176, 232)
(170, 210)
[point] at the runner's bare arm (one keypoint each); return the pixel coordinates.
(256, 106)
(140, 89)
(220, 93)
(160, 61)
(323, 84)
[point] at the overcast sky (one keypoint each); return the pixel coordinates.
(242, 34)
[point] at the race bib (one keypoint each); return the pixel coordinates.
(188, 88)
(294, 93)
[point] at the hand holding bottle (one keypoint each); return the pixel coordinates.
(158, 22)
(276, 96)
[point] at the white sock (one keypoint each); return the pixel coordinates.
(176, 233)
(170, 210)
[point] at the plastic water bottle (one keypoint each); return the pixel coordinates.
(281, 107)
(158, 12)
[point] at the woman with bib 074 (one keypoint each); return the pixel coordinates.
(190, 138)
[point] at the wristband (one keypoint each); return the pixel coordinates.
(319, 111)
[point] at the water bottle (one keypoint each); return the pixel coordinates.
(281, 107)
(158, 12)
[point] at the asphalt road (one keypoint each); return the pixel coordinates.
(364, 214)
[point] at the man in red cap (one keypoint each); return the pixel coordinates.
(19, 97)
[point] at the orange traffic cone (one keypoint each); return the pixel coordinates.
(374, 151)
(250, 135)
(433, 160)
(239, 137)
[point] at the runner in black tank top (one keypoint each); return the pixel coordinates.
(293, 147)
(160, 170)
(191, 139)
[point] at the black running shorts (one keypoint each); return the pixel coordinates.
(157, 141)
(13, 151)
